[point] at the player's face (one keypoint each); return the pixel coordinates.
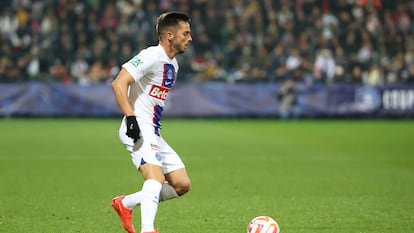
(182, 37)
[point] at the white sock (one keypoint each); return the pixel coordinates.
(132, 200)
(167, 192)
(149, 204)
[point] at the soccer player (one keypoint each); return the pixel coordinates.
(140, 89)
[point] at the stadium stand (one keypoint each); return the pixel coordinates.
(312, 41)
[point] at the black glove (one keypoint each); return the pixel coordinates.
(132, 128)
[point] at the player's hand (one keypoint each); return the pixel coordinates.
(132, 128)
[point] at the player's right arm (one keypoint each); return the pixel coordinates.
(120, 88)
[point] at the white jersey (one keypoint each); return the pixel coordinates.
(154, 74)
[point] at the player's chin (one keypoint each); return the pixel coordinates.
(183, 49)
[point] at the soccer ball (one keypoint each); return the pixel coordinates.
(263, 224)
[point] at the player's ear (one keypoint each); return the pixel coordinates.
(170, 35)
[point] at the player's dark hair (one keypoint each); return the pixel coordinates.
(170, 19)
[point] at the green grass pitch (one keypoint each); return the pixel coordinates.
(59, 175)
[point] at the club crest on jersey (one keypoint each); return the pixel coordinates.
(159, 92)
(169, 75)
(136, 61)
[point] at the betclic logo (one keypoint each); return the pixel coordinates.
(159, 92)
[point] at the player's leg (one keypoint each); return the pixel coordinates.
(177, 180)
(146, 158)
(148, 198)
(149, 162)
(176, 184)
(150, 192)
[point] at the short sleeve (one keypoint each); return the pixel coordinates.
(138, 66)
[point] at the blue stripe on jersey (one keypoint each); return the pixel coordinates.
(157, 118)
(168, 75)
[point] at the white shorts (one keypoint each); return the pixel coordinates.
(150, 148)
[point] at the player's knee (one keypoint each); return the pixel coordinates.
(183, 187)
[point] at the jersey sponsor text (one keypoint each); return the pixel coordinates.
(159, 92)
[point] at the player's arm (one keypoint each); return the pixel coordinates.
(120, 88)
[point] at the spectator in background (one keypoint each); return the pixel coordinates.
(402, 18)
(373, 76)
(98, 73)
(33, 67)
(79, 70)
(59, 72)
(287, 98)
(294, 65)
(356, 74)
(324, 68)
(341, 65)
(409, 74)
(6, 69)
(329, 25)
(109, 19)
(277, 69)
(366, 52)
(8, 23)
(395, 69)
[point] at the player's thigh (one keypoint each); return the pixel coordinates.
(171, 161)
(145, 150)
(174, 169)
(151, 171)
(178, 177)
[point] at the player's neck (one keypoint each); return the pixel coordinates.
(168, 50)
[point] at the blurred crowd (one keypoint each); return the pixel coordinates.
(312, 41)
